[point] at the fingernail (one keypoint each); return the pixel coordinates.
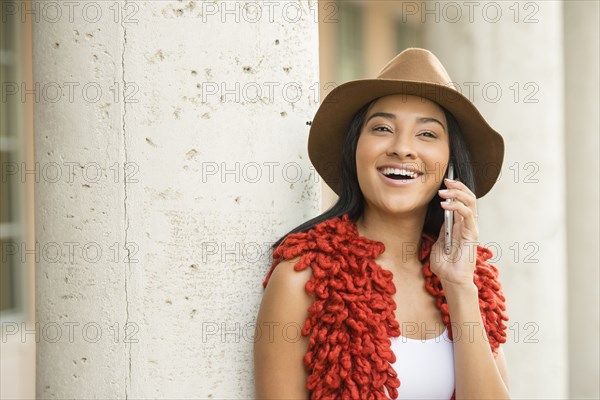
(449, 180)
(443, 190)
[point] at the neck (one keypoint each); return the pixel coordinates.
(400, 234)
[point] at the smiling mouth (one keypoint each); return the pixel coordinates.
(398, 174)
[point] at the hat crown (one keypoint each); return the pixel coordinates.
(419, 65)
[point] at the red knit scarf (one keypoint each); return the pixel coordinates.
(351, 319)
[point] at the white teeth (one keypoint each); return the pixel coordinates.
(398, 171)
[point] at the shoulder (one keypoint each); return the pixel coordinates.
(285, 299)
(279, 343)
(286, 278)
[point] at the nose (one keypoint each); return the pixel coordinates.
(402, 146)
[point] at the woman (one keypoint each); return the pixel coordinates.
(364, 302)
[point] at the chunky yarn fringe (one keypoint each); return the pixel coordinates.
(351, 318)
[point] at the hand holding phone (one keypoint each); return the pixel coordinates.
(449, 216)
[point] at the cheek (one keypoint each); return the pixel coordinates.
(436, 154)
(366, 151)
(436, 161)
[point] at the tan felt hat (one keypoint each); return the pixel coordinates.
(415, 72)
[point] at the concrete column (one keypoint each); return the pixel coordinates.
(191, 162)
(508, 58)
(82, 276)
(581, 142)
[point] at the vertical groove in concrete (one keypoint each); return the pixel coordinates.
(126, 215)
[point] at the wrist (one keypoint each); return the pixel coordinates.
(453, 288)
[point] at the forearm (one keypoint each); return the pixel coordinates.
(476, 372)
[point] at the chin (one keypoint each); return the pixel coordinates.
(399, 207)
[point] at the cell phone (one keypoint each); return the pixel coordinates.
(449, 216)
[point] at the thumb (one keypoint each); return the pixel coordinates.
(443, 229)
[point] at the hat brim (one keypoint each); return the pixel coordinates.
(332, 120)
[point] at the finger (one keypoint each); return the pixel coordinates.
(452, 184)
(467, 214)
(459, 195)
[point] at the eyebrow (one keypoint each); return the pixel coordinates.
(393, 116)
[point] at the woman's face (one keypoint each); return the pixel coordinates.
(402, 133)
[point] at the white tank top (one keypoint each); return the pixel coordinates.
(425, 368)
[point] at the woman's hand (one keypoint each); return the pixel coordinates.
(458, 267)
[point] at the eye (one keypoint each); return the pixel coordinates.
(429, 133)
(382, 129)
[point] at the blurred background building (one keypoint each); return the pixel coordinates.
(544, 58)
(17, 288)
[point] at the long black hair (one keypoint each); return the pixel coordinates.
(351, 200)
